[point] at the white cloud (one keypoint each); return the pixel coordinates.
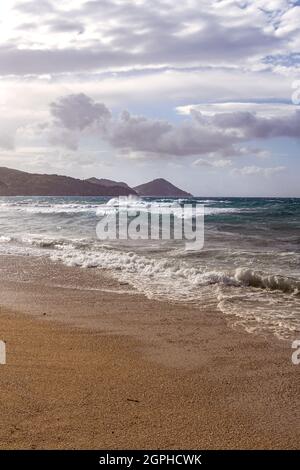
(104, 34)
(212, 163)
(258, 171)
(231, 62)
(7, 140)
(264, 109)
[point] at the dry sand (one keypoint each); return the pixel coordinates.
(110, 369)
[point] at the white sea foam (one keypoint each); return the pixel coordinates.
(133, 203)
(245, 281)
(4, 239)
(256, 312)
(257, 301)
(44, 208)
(167, 269)
(90, 253)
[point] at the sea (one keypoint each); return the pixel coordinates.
(248, 268)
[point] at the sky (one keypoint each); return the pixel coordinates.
(203, 93)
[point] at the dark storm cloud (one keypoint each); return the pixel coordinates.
(139, 134)
(77, 112)
(221, 133)
(253, 126)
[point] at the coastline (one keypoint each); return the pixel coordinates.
(105, 367)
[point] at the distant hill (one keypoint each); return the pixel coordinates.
(110, 183)
(20, 183)
(160, 188)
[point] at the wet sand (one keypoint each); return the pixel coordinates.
(92, 364)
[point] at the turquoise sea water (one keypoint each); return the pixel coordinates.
(248, 268)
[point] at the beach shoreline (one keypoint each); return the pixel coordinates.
(108, 368)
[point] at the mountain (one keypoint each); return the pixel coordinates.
(20, 183)
(110, 183)
(160, 188)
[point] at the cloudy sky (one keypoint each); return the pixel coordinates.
(204, 93)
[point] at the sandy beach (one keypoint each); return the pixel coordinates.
(149, 229)
(105, 368)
